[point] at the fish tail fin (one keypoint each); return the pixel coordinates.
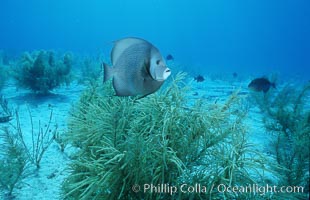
(107, 72)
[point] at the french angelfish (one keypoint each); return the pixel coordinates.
(137, 68)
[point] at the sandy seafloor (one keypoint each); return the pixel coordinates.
(46, 182)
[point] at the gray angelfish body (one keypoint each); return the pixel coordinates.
(138, 68)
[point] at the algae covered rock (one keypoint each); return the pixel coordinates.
(43, 71)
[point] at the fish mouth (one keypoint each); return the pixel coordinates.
(164, 75)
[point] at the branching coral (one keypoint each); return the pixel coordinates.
(13, 163)
(40, 139)
(5, 111)
(161, 139)
(42, 71)
(16, 154)
(287, 120)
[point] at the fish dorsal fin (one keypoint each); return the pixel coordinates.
(121, 45)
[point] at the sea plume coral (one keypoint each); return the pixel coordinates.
(42, 71)
(13, 163)
(287, 121)
(161, 139)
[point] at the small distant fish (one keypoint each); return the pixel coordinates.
(261, 84)
(169, 57)
(4, 119)
(138, 68)
(199, 78)
(235, 75)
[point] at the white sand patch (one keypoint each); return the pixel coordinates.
(45, 182)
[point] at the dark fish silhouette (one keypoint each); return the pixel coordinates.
(169, 57)
(235, 75)
(261, 84)
(138, 68)
(199, 78)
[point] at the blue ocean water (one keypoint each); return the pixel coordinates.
(253, 38)
(256, 37)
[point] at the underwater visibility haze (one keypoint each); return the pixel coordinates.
(256, 37)
(156, 99)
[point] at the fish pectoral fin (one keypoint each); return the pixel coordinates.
(145, 69)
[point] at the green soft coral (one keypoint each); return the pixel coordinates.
(287, 121)
(13, 163)
(160, 139)
(42, 71)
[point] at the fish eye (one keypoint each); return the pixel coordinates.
(157, 62)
